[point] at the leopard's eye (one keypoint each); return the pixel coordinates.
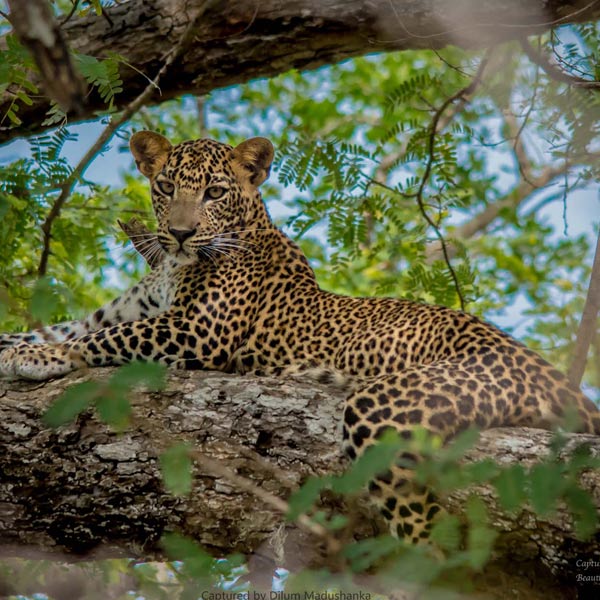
(166, 187)
(214, 192)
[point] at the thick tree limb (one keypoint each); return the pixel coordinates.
(34, 24)
(85, 491)
(243, 40)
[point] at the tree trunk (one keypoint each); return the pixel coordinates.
(237, 41)
(85, 491)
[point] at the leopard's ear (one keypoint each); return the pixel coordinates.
(252, 159)
(150, 151)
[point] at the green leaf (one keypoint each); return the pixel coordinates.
(176, 467)
(446, 533)
(480, 537)
(546, 485)
(97, 5)
(480, 543)
(44, 302)
(15, 202)
(476, 510)
(152, 375)
(481, 471)
(375, 460)
(114, 409)
(511, 487)
(337, 522)
(74, 400)
(198, 563)
(463, 442)
(10, 113)
(365, 553)
(304, 499)
(584, 511)
(416, 565)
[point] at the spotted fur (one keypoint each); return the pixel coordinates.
(241, 297)
(151, 296)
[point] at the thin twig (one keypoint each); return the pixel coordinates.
(385, 186)
(71, 13)
(587, 327)
(566, 189)
(469, 89)
(107, 133)
(518, 148)
(554, 71)
(511, 200)
(244, 484)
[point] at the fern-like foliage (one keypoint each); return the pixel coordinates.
(103, 74)
(16, 67)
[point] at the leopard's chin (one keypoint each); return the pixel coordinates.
(181, 257)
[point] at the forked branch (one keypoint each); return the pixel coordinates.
(433, 129)
(553, 70)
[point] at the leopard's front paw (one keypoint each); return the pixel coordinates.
(35, 361)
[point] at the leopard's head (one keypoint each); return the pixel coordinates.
(205, 193)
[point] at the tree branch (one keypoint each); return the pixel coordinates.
(554, 71)
(37, 30)
(530, 182)
(84, 491)
(240, 41)
(462, 93)
(588, 327)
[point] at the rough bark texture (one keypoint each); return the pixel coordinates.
(83, 490)
(39, 32)
(242, 40)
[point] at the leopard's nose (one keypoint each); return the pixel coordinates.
(182, 234)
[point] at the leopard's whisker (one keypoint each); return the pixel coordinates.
(220, 251)
(228, 246)
(234, 242)
(146, 245)
(204, 251)
(154, 254)
(141, 235)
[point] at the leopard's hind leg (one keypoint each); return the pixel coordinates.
(446, 398)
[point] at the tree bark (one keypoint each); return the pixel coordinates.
(85, 491)
(34, 24)
(238, 41)
(588, 326)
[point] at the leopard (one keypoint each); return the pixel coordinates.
(233, 293)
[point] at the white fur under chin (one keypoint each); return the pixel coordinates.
(180, 259)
